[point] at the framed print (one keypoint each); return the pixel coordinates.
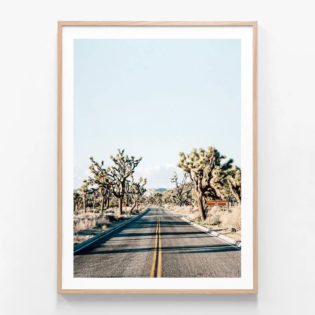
(157, 157)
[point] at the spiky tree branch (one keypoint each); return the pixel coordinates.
(136, 190)
(180, 190)
(100, 181)
(123, 168)
(202, 167)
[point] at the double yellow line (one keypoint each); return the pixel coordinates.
(156, 269)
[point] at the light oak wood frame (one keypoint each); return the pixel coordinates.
(62, 24)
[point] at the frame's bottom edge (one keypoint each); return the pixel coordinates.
(161, 291)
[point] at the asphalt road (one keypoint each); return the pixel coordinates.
(159, 244)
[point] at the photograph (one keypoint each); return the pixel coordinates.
(157, 157)
(154, 179)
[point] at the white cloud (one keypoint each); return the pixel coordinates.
(158, 176)
(147, 171)
(170, 165)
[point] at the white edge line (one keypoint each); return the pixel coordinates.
(206, 230)
(106, 233)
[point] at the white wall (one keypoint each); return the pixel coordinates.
(28, 122)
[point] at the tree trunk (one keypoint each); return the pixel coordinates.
(235, 194)
(74, 207)
(102, 205)
(84, 204)
(133, 207)
(107, 202)
(200, 206)
(120, 205)
(94, 202)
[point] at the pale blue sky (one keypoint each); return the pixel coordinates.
(155, 98)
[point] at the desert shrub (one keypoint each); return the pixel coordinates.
(232, 218)
(88, 221)
(216, 219)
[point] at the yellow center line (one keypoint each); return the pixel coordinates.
(159, 269)
(157, 255)
(155, 250)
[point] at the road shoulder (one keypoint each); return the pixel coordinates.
(208, 231)
(91, 241)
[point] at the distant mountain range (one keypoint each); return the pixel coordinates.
(152, 191)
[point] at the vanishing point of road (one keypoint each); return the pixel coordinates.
(159, 244)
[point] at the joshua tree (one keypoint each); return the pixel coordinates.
(180, 190)
(157, 198)
(227, 182)
(202, 166)
(76, 199)
(136, 191)
(123, 168)
(84, 190)
(169, 197)
(95, 195)
(149, 199)
(101, 181)
(235, 183)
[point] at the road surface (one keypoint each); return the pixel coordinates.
(159, 244)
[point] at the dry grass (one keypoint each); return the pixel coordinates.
(187, 211)
(227, 222)
(87, 225)
(232, 218)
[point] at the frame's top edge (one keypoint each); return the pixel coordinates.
(157, 23)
